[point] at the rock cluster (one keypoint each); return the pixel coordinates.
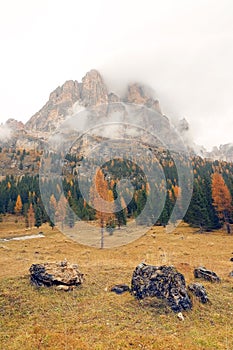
(202, 272)
(163, 282)
(63, 275)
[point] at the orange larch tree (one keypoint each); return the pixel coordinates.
(18, 205)
(102, 200)
(31, 216)
(61, 210)
(222, 199)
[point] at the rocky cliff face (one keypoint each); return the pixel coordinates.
(92, 91)
(223, 152)
(14, 124)
(56, 109)
(142, 95)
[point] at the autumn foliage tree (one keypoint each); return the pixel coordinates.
(61, 210)
(31, 216)
(18, 205)
(222, 199)
(102, 200)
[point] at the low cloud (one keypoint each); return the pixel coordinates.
(5, 132)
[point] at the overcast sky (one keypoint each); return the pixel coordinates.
(182, 48)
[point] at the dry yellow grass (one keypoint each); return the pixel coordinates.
(91, 317)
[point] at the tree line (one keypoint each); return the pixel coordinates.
(210, 207)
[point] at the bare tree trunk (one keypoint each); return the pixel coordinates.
(228, 227)
(102, 234)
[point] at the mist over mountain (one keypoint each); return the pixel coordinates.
(73, 97)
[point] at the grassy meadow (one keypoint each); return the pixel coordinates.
(92, 317)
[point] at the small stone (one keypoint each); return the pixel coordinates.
(63, 287)
(120, 288)
(180, 316)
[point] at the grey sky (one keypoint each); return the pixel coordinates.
(183, 49)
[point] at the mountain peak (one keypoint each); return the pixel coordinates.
(14, 124)
(93, 92)
(141, 94)
(69, 90)
(93, 74)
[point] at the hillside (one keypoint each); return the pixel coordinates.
(94, 170)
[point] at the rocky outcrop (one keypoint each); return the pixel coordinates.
(62, 275)
(56, 109)
(163, 282)
(28, 143)
(223, 152)
(73, 96)
(113, 98)
(199, 291)
(14, 124)
(90, 93)
(140, 94)
(202, 272)
(69, 91)
(93, 90)
(183, 126)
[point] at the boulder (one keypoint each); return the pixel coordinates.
(163, 282)
(202, 272)
(199, 291)
(63, 275)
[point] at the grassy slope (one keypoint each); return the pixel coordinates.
(90, 317)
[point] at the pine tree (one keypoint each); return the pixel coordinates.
(121, 214)
(52, 210)
(222, 200)
(11, 207)
(198, 213)
(38, 217)
(70, 217)
(141, 199)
